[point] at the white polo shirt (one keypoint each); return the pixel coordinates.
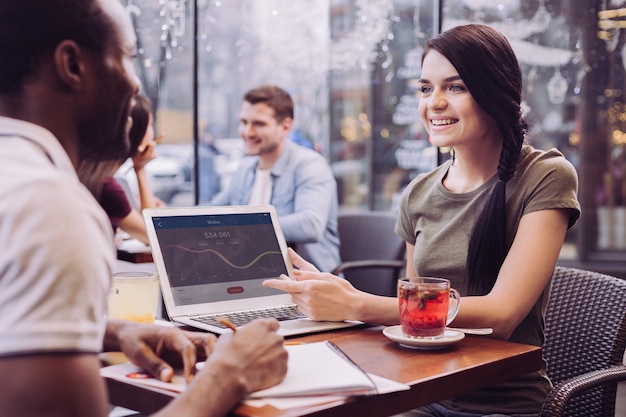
(56, 248)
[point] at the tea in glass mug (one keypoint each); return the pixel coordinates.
(427, 305)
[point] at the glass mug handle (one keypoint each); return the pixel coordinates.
(453, 306)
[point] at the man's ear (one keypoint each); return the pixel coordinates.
(69, 65)
(287, 123)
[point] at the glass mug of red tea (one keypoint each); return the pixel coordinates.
(427, 306)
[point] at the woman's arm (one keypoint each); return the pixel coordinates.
(134, 225)
(524, 275)
(145, 153)
(323, 296)
(147, 199)
(410, 269)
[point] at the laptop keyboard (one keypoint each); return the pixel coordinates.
(243, 317)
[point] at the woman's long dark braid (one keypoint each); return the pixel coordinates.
(487, 245)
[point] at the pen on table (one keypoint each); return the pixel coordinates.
(228, 323)
(232, 326)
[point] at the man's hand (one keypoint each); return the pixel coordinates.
(157, 349)
(251, 358)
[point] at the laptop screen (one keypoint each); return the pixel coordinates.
(219, 257)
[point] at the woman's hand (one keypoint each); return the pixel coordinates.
(321, 296)
(146, 152)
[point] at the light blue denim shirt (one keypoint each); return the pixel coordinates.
(304, 193)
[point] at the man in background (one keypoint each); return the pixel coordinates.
(297, 181)
(66, 89)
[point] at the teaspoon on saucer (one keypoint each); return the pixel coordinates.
(481, 332)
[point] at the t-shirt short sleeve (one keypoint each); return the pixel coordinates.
(114, 201)
(55, 266)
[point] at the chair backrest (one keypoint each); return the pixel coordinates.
(370, 235)
(585, 331)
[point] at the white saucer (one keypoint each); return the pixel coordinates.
(449, 337)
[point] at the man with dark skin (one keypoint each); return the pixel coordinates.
(66, 89)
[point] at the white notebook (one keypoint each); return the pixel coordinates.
(314, 369)
(320, 369)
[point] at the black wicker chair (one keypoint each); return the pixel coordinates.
(585, 343)
(372, 254)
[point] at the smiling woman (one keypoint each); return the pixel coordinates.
(471, 102)
(489, 210)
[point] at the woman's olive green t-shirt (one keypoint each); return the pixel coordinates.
(438, 223)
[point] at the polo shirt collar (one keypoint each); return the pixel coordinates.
(40, 136)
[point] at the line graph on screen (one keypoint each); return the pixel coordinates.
(224, 260)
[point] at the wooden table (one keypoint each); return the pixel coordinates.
(434, 375)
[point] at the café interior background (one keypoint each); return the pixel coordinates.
(352, 68)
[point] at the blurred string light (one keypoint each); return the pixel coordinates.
(406, 110)
(173, 13)
(521, 33)
(611, 20)
(358, 47)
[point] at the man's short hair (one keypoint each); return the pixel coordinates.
(30, 30)
(274, 97)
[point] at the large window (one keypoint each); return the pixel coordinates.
(377, 140)
(351, 66)
(165, 66)
(247, 43)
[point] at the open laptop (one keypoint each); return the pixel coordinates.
(212, 261)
